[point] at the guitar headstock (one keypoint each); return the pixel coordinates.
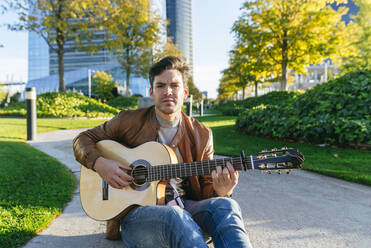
(278, 160)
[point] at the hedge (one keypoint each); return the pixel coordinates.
(336, 112)
(54, 104)
(234, 108)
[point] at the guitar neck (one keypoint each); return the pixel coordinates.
(168, 171)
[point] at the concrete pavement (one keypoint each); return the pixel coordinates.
(302, 209)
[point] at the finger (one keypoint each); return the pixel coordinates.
(230, 167)
(234, 177)
(226, 175)
(213, 174)
(123, 166)
(219, 174)
(121, 183)
(215, 177)
(113, 184)
(122, 174)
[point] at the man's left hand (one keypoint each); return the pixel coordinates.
(224, 180)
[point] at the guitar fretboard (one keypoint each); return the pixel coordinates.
(168, 171)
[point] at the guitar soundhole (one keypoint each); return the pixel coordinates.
(140, 174)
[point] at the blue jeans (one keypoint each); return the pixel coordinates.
(165, 226)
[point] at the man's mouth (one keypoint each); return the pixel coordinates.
(168, 100)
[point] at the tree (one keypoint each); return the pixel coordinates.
(167, 49)
(56, 21)
(360, 35)
(227, 87)
(193, 90)
(246, 68)
(291, 34)
(171, 49)
(132, 32)
(104, 85)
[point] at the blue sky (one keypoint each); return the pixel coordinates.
(212, 39)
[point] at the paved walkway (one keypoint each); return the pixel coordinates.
(302, 209)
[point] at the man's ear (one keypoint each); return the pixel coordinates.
(150, 92)
(186, 93)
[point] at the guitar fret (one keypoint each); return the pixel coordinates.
(161, 172)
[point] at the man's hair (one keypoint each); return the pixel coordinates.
(170, 63)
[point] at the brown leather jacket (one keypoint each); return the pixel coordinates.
(193, 142)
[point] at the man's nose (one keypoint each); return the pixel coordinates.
(168, 90)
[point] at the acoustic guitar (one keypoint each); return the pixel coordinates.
(152, 164)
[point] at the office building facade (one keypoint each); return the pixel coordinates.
(38, 57)
(179, 15)
(43, 61)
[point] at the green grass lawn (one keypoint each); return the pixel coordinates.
(35, 187)
(349, 164)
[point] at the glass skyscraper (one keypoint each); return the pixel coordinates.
(38, 57)
(75, 59)
(43, 61)
(179, 15)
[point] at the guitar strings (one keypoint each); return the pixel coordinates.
(190, 168)
(184, 166)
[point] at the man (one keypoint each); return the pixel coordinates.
(194, 205)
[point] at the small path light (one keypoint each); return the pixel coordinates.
(31, 113)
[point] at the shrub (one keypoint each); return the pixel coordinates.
(272, 98)
(124, 102)
(103, 85)
(336, 112)
(69, 104)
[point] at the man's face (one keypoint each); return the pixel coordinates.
(168, 92)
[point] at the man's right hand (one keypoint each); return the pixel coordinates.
(113, 172)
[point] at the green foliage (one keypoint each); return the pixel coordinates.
(63, 105)
(3, 95)
(193, 90)
(278, 36)
(234, 108)
(56, 22)
(344, 163)
(167, 49)
(132, 31)
(360, 35)
(103, 85)
(227, 87)
(336, 112)
(124, 102)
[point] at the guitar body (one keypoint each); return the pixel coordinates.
(120, 201)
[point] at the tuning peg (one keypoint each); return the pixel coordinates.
(279, 172)
(288, 171)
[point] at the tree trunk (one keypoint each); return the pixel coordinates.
(127, 71)
(256, 88)
(60, 52)
(243, 93)
(284, 62)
